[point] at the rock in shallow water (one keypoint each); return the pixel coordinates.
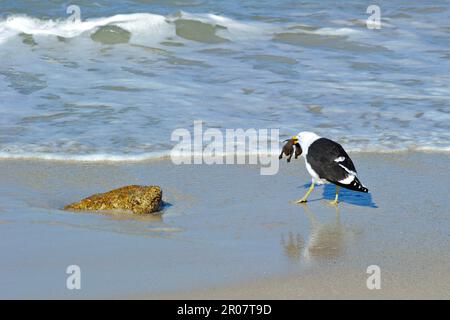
(138, 199)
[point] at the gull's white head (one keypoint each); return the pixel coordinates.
(305, 139)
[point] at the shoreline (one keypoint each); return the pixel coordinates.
(116, 159)
(227, 231)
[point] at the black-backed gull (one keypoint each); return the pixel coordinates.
(327, 162)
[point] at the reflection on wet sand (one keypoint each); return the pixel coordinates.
(134, 227)
(121, 216)
(120, 222)
(326, 241)
(293, 246)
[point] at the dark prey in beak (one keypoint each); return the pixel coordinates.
(288, 150)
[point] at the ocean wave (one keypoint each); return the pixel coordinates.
(142, 26)
(148, 28)
(65, 97)
(135, 23)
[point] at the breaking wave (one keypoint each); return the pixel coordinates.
(141, 27)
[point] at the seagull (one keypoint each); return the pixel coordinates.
(327, 162)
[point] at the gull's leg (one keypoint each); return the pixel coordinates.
(335, 202)
(305, 197)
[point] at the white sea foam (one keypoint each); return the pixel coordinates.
(335, 31)
(103, 157)
(147, 26)
(140, 25)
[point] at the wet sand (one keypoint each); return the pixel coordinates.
(228, 232)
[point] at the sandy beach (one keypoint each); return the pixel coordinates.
(227, 232)
(99, 96)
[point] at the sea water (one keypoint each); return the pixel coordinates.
(112, 81)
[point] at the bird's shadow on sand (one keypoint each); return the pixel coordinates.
(346, 196)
